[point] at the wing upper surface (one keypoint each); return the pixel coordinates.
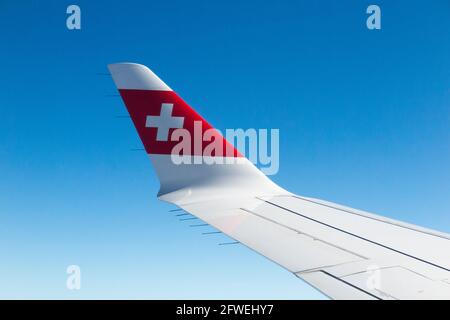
(346, 254)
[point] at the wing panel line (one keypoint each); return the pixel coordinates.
(355, 235)
(306, 234)
(351, 285)
(372, 218)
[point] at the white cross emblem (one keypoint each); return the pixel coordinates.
(164, 122)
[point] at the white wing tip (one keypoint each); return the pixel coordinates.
(127, 75)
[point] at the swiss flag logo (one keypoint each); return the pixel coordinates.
(157, 114)
(164, 122)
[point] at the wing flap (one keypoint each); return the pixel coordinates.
(399, 283)
(334, 287)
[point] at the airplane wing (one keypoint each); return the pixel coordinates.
(343, 252)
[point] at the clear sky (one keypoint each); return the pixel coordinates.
(363, 116)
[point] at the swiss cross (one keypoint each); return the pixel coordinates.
(164, 122)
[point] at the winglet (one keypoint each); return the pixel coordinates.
(166, 124)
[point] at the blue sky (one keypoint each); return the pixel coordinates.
(363, 117)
